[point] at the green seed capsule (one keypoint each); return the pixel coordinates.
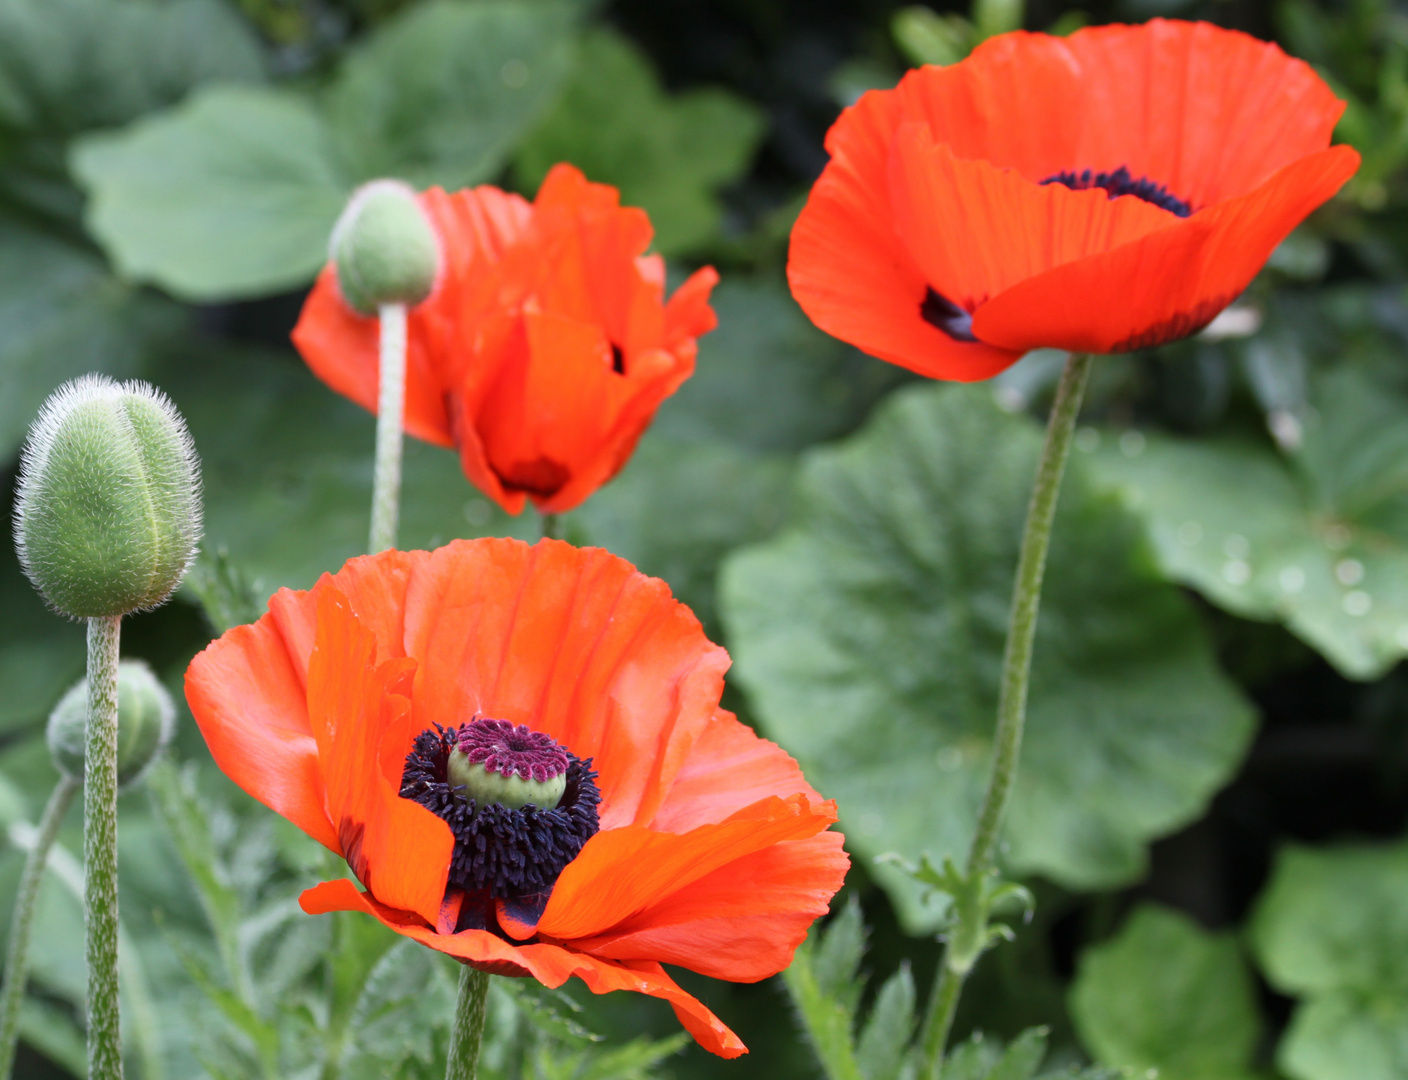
(107, 513)
(145, 719)
(383, 248)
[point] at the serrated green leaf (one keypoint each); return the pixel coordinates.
(174, 798)
(884, 1040)
(824, 985)
(1335, 918)
(973, 1059)
(441, 95)
(869, 638)
(1022, 1057)
(1317, 541)
(1165, 994)
(402, 1013)
(836, 958)
(667, 153)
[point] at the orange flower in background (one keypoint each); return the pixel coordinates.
(1103, 192)
(520, 752)
(545, 348)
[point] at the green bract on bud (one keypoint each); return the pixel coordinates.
(145, 719)
(383, 248)
(107, 513)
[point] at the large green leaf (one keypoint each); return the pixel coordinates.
(1165, 994)
(287, 469)
(1332, 926)
(68, 66)
(668, 153)
(233, 193)
(869, 637)
(1318, 540)
(62, 314)
(442, 95)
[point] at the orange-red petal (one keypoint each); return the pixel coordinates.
(728, 769)
(360, 714)
(741, 922)
(623, 872)
(849, 270)
(573, 642)
(1170, 282)
(552, 965)
(976, 230)
(247, 699)
(1209, 112)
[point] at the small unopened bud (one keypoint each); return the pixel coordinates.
(107, 514)
(383, 248)
(145, 719)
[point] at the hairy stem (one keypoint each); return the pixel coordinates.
(17, 957)
(100, 849)
(390, 414)
(468, 1031)
(1012, 699)
(552, 527)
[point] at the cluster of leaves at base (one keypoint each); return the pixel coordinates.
(826, 986)
(286, 996)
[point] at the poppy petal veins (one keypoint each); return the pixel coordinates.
(714, 852)
(942, 186)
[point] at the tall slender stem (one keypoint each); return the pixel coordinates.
(1026, 600)
(1012, 698)
(468, 1032)
(100, 849)
(552, 526)
(17, 956)
(390, 416)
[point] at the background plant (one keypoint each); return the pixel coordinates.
(1215, 794)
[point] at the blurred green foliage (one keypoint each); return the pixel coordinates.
(1219, 716)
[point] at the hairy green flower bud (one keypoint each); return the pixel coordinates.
(383, 248)
(145, 719)
(107, 513)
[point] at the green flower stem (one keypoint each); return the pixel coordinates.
(17, 958)
(552, 526)
(468, 1031)
(968, 935)
(390, 416)
(100, 849)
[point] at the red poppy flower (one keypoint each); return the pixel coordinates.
(1103, 192)
(343, 709)
(545, 348)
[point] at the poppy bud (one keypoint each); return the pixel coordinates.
(494, 761)
(145, 719)
(107, 513)
(383, 248)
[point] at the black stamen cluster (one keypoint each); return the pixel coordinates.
(1120, 182)
(506, 853)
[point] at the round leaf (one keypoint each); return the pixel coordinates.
(869, 637)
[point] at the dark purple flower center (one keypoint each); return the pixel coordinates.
(1121, 182)
(503, 852)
